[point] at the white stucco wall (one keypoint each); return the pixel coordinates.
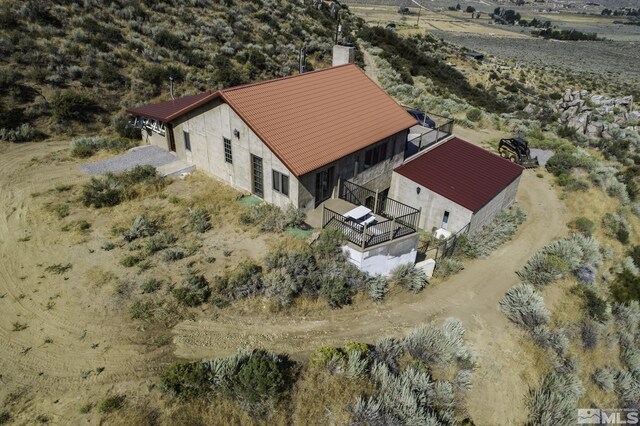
(384, 258)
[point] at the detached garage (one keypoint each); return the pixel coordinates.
(455, 184)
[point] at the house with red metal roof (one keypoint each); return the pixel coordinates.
(456, 184)
(288, 140)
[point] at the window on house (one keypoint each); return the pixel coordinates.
(445, 219)
(375, 155)
(228, 155)
(280, 183)
(187, 141)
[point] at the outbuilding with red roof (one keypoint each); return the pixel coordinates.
(456, 184)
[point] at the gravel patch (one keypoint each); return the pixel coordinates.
(138, 156)
(542, 154)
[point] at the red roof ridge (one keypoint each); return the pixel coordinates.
(288, 77)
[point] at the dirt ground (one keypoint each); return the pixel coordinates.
(84, 345)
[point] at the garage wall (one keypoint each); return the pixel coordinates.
(432, 204)
(500, 202)
(207, 126)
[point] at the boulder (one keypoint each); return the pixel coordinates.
(595, 128)
(530, 109)
(567, 96)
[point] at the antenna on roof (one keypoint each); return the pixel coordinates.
(171, 87)
(303, 59)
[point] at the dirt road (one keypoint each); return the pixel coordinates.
(472, 296)
(80, 345)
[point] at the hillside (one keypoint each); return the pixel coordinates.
(64, 63)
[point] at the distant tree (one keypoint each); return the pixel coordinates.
(606, 12)
(470, 9)
(458, 7)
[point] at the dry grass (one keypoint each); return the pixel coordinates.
(320, 398)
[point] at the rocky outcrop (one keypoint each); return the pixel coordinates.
(592, 115)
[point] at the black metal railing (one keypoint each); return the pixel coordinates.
(443, 129)
(440, 249)
(400, 219)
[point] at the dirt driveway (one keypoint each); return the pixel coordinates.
(55, 364)
(472, 296)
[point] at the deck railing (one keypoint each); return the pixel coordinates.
(431, 136)
(400, 219)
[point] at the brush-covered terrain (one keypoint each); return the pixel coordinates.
(131, 299)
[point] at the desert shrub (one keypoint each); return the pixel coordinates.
(605, 378)
(59, 268)
(377, 287)
(474, 114)
(172, 255)
(335, 291)
(200, 220)
(589, 335)
(102, 192)
(583, 225)
(590, 248)
(594, 305)
(554, 402)
(270, 218)
(563, 162)
(328, 357)
(408, 276)
(184, 380)
(280, 286)
(524, 306)
(123, 127)
(87, 146)
(300, 266)
(447, 267)
(111, 404)
(586, 274)
(131, 260)
(542, 269)
(626, 287)
(388, 351)
(142, 310)
(440, 345)
(23, 133)
(616, 226)
(194, 292)
(71, 105)
(159, 241)
(634, 253)
(628, 388)
(569, 251)
(151, 285)
(142, 226)
(4, 417)
(555, 339)
(245, 280)
(492, 235)
(59, 209)
(111, 189)
(329, 243)
(260, 379)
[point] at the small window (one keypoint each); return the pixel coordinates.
(375, 155)
(187, 141)
(280, 183)
(445, 219)
(228, 155)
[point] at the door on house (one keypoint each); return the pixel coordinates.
(445, 220)
(172, 140)
(257, 176)
(324, 185)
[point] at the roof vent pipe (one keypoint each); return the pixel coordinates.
(171, 87)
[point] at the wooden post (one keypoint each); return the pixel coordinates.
(375, 204)
(364, 234)
(393, 227)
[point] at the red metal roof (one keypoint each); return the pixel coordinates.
(170, 110)
(307, 120)
(462, 172)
